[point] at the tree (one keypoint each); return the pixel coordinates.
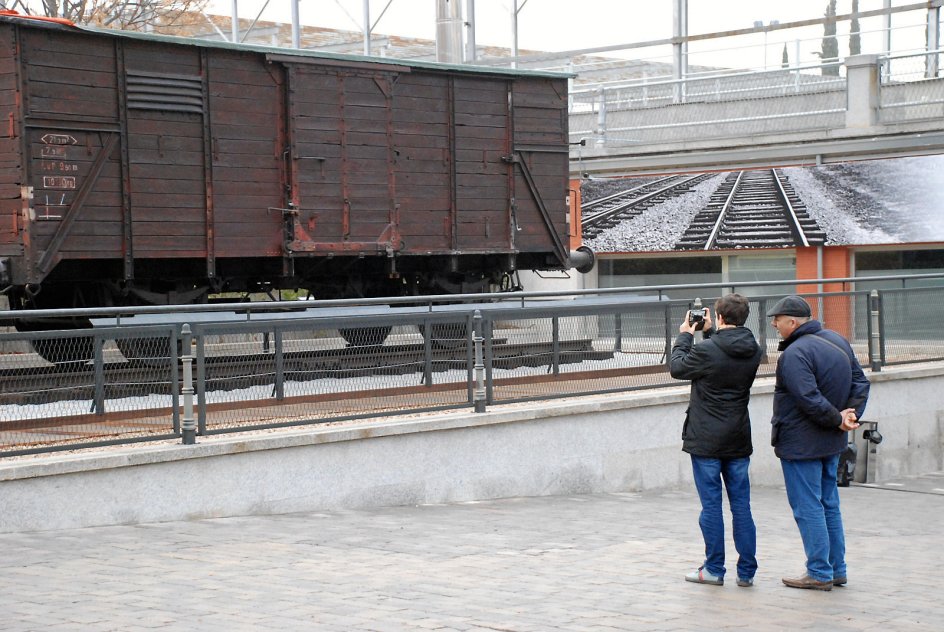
(855, 40)
(131, 15)
(784, 58)
(830, 45)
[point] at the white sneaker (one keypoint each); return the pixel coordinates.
(701, 576)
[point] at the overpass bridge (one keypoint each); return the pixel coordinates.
(868, 106)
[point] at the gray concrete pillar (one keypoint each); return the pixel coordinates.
(862, 84)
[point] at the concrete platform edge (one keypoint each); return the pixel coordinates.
(606, 443)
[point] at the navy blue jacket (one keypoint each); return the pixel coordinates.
(818, 375)
(722, 369)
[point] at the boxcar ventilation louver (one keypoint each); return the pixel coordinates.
(175, 93)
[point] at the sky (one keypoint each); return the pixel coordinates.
(556, 25)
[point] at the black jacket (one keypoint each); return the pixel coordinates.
(722, 370)
(818, 375)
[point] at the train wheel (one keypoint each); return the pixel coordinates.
(445, 335)
(147, 351)
(365, 336)
(75, 352)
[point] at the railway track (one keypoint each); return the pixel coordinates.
(606, 212)
(753, 209)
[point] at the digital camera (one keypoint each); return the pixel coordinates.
(696, 317)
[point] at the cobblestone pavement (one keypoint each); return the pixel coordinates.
(594, 562)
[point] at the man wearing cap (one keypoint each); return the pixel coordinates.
(819, 394)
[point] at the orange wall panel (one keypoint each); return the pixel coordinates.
(576, 240)
(838, 310)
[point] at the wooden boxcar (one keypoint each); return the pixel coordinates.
(139, 169)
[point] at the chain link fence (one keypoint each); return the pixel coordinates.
(125, 378)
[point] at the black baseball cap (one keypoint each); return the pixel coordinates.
(790, 306)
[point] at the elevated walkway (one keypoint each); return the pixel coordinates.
(877, 107)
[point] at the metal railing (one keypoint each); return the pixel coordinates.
(155, 373)
(719, 104)
(739, 104)
(911, 87)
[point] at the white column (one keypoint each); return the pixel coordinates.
(234, 23)
(862, 87)
(470, 53)
(934, 38)
(367, 27)
(296, 28)
(680, 49)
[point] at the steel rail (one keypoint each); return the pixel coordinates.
(799, 235)
(594, 220)
(615, 196)
(713, 235)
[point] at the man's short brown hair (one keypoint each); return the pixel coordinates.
(734, 308)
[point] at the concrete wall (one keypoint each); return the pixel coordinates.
(615, 443)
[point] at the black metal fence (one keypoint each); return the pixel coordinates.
(159, 373)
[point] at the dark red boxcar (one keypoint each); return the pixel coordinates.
(141, 169)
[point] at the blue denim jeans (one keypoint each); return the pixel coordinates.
(709, 474)
(814, 498)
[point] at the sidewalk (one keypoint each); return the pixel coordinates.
(597, 562)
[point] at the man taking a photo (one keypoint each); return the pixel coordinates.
(717, 430)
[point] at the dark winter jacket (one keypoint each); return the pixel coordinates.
(818, 376)
(722, 369)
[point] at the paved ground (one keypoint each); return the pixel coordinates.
(596, 562)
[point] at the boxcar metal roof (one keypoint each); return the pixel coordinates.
(283, 53)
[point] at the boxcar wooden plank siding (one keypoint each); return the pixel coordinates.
(229, 94)
(240, 120)
(358, 118)
(319, 152)
(53, 99)
(65, 75)
(152, 148)
(101, 228)
(224, 148)
(541, 92)
(265, 190)
(235, 82)
(75, 52)
(154, 58)
(429, 110)
(8, 96)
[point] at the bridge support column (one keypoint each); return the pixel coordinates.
(862, 98)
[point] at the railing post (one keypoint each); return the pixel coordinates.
(98, 403)
(555, 345)
(762, 326)
(279, 365)
(875, 348)
(188, 426)
(601, 119)
(478, 394)
(669, 338)
(428, 354)
(618, 332)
